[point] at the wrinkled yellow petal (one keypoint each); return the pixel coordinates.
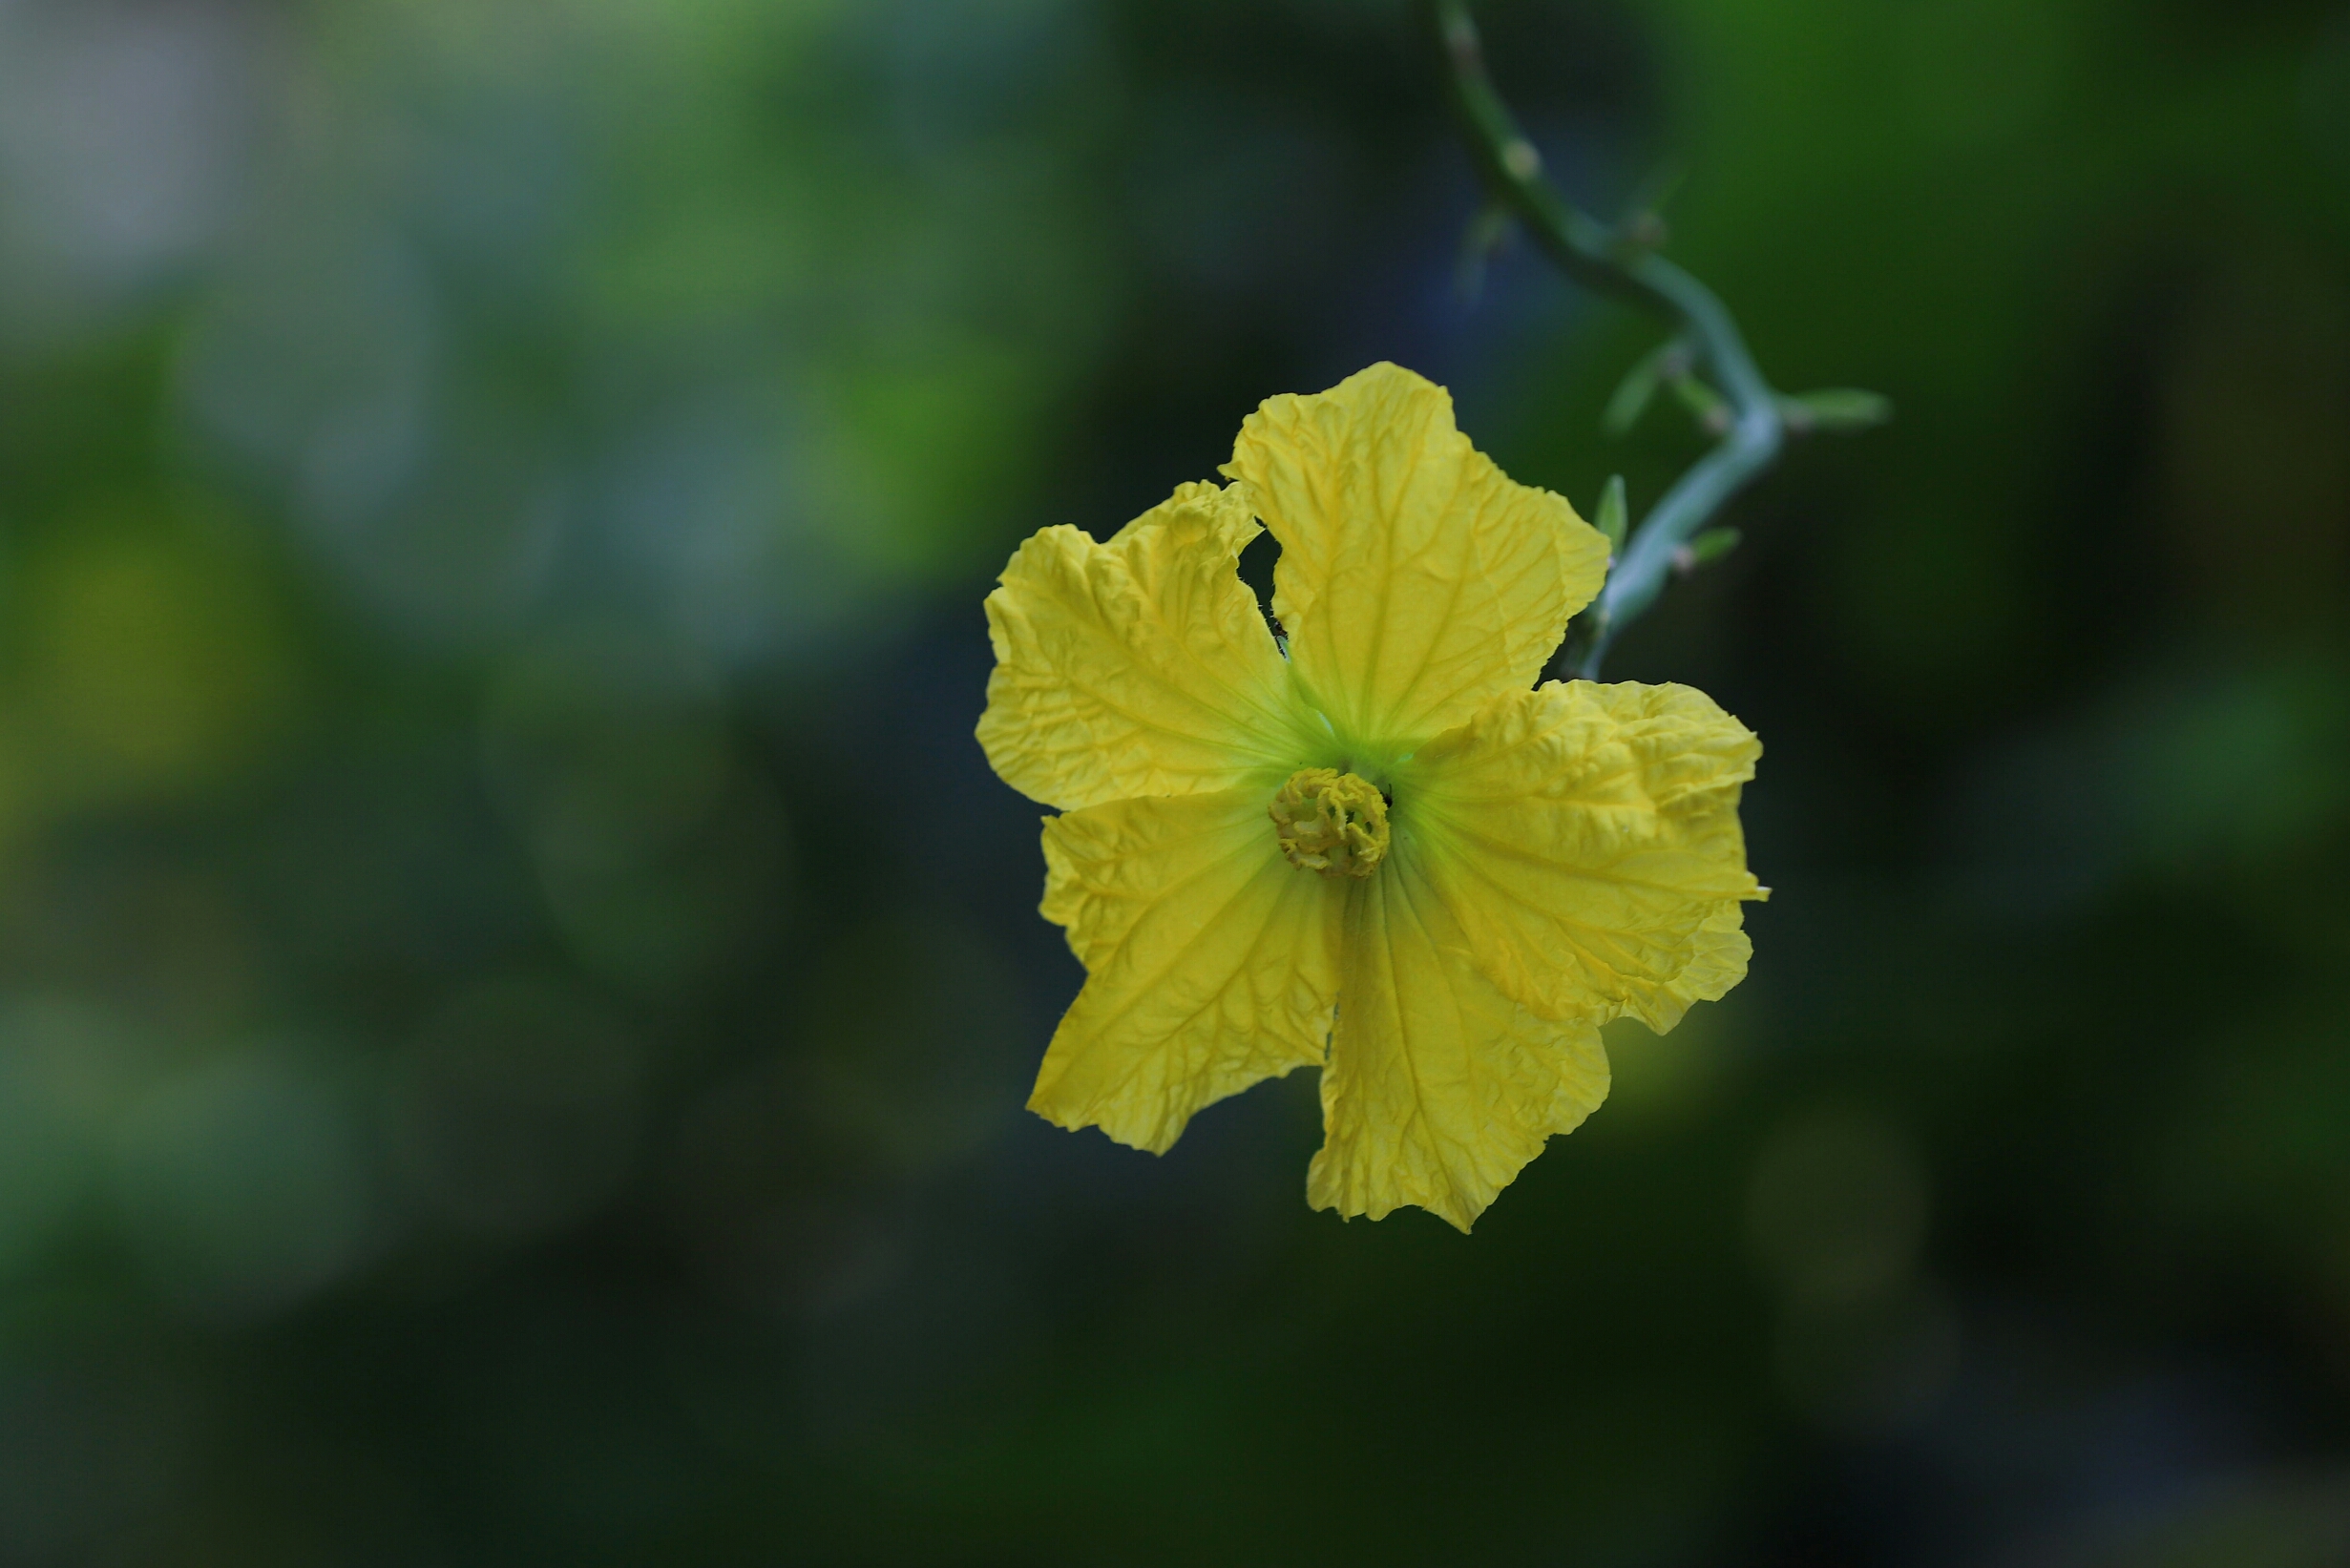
(1588, 836)
(1439, 1088)
(1212, 962)
(1416, 578)
(1141, 666)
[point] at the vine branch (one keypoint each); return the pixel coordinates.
(1751, 419)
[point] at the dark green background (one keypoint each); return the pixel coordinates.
(517, 984)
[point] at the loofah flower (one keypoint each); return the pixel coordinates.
(1377, 849)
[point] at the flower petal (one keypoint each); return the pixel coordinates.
(1138, 667)
(1213, 962)
(1590, 837)
(1440, 1087)
(1416, 578)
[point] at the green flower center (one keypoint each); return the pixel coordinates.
(1331, 822)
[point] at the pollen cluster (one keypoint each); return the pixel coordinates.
(1331, 822)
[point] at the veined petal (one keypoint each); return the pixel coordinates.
(1141, 666)
(1416, 578)
(1588, 836)
(1440, 1087)
(1213, 962)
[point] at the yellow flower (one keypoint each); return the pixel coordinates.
(1379, 850)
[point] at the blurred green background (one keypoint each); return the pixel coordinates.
(517, 984)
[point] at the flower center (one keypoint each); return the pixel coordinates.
(1331, 822)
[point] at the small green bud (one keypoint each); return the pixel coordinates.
(1712, 545)
(1703, 401)
(1632, 394)
(1612, 517)
(1487, 232)
(1839, 410)
(1642, 230)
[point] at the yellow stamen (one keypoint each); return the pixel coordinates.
(1331, 822)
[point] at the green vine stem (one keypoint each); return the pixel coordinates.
(1751, 421)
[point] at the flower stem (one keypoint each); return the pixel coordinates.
(1610, 263)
